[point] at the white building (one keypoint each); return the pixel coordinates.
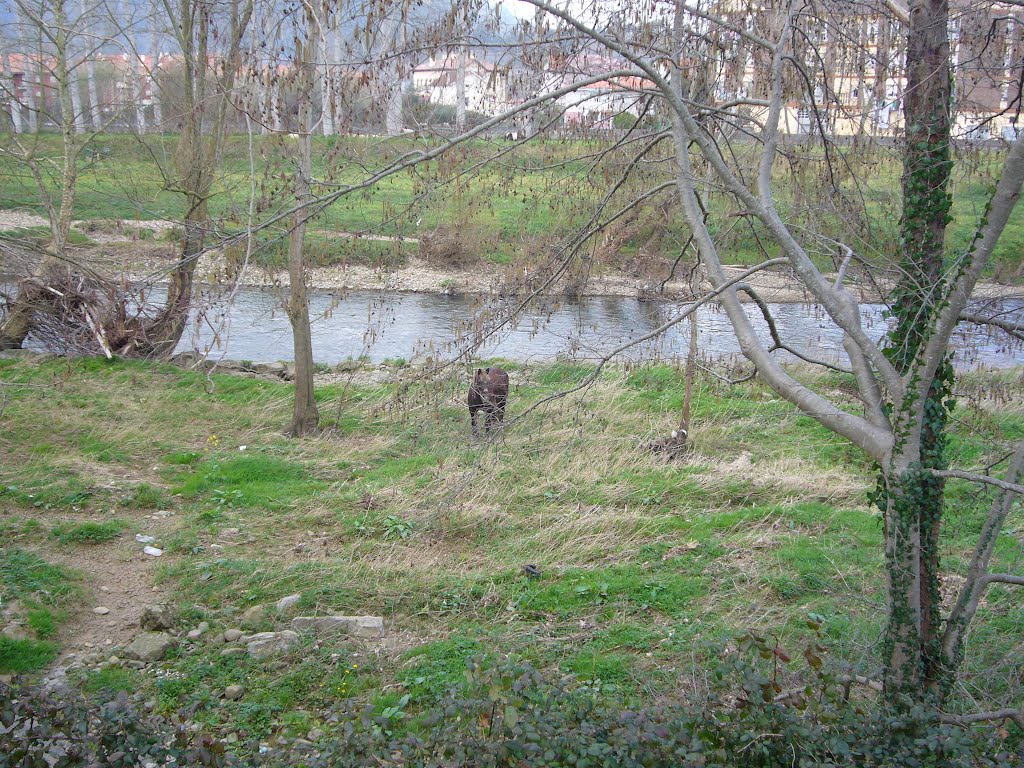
(596, 105)
(437, 81)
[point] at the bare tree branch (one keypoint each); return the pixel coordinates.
(981, 717)
(974, 585)
(1004, 578)
(898, 9)
(976, 478)
(1015, 329)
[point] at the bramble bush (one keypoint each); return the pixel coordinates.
(508, 714)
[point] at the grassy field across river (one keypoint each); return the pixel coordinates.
(500, 204)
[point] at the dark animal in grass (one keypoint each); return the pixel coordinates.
(488, 394)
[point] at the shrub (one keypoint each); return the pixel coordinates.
(509, 715)
(38, 731)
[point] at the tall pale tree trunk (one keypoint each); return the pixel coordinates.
(305, 418)
(95, 115)
(460, 91)
(95, 112)
(14, 98)
(337, 95)
(156, 49)
(326, 67)
(74, 72)
(393, 122)
(134, 70)
(29, 83)
(76, 102)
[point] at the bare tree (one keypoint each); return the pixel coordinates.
(902, 381)
(208, 73)
(50, 24)
(305, 417)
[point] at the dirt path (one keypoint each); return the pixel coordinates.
(116, 576)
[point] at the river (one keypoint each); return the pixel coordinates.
(377, 326)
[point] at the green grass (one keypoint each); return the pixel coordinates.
(644, 566)
(23, 574)
(89, 532)
(503, 211)
(40, 236)
(107, 682)
(45, 593)
(21, 656)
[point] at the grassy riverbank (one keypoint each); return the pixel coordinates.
(508, 210)
(646, 568)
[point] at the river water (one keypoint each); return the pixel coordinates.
(379, 326)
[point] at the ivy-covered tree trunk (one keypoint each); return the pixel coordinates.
(913, 496)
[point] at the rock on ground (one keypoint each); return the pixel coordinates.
(16, 631)
(253, 617)
(156, 618)
(356, 626)
(265, 644)
(288, 602)
(233, 692)
(150, 646)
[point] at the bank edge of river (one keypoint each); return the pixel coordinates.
(115, 253)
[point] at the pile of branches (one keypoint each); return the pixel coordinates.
(449, 249)
(75, 313)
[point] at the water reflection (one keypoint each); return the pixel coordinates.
(413, 326)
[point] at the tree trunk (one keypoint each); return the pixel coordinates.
(394, 121)
(13, 98)
(913, 494)
(135, 89)
(460, 91)
(76, 103)
(198, 152)
(90, 81)
(95, 115)
(305, 418)
(326, 74)
(29, 85)
(337, 94)
(18, 322)
(155, 46)
(61, 228)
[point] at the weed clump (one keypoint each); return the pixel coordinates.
(89, 533)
